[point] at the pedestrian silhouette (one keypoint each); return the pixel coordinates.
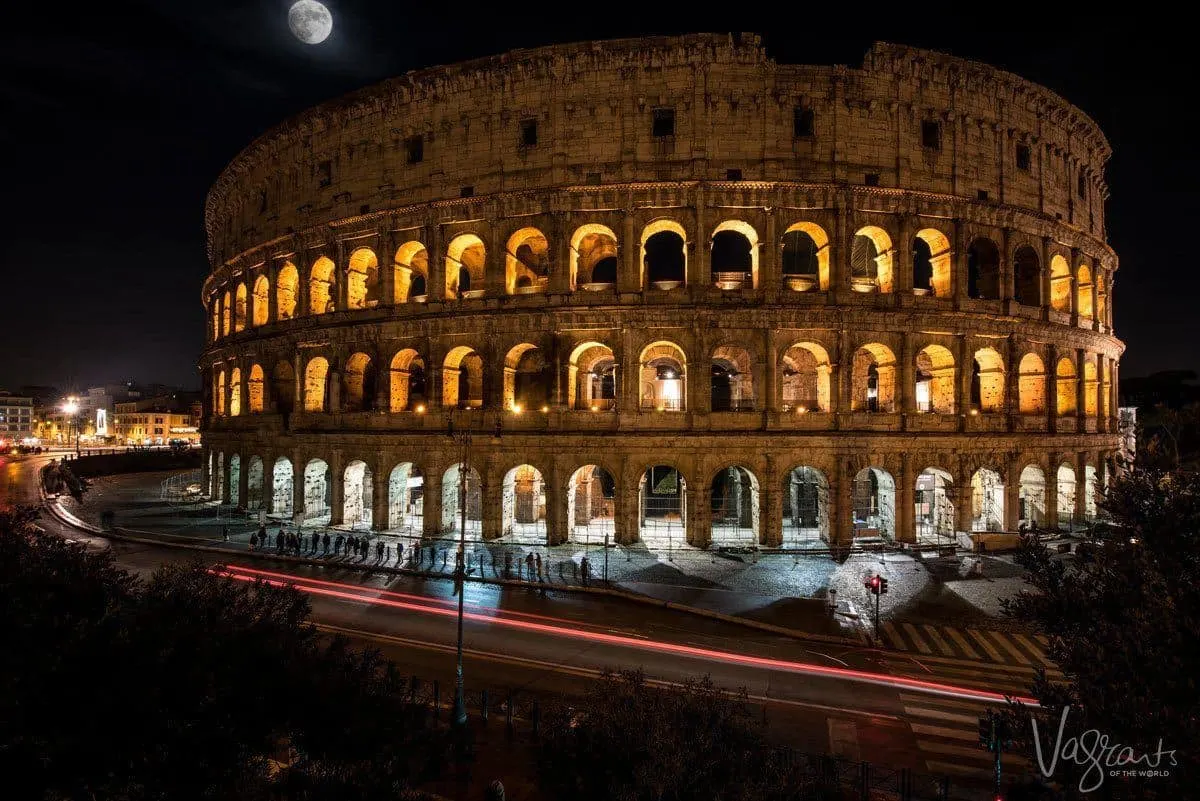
(225, 533)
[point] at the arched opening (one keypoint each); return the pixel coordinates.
(1031, 385)
(732, 388)
(362, 279)
(806, 378)
(1106, 389)
(805, 508)
(871, 256)
(407, 388)
(466, 260)
(734, 507)
(235, 479)
(663, 376)
(359, 383)
(593, 258)
(873, 379)
(283, 387)
(1091, 490)
(261, 310)
(983, 269)
(734, 255)
(987, 382)
(1066, 383)
(528, 378)
(1027, 276)
(239, 308)
(235, 392)
(1090, 384)
(523, 506)
(452, 502)
(216, 318)
(1032, 496)
(1060, 284)
(592, 377)
(318, 486)
(1066, 497)
(316, 377)
(254, 483)
(805, 257)
(935, 380)
(934, 513)
(664, 255)
(287, 289)
(874, 501)
(591, 505)
(254, 389)
(357, 495)
(1083, 293)
(462, 379)
(526, 262)
(227, 314)
(662, 502)
(932, 263)
(987, 501)
(1101, 298)
(411, 273)
(320, 287)
(219, 392)
(406, 499)
(282, 491)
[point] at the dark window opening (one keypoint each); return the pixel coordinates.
(931, 134)
(529, 133)
(416, 287)
(731, 257)
(1027, 277)
(593, 179)
(1081, 188)
(983, 270)
(605, 271)
(799, 254)
(664, 257)
(414, 149)
(733, 175)
(364, 208)
(1023, 157)
(922, 265)
(722, 389)
(976, 387)
(872, 393)
(802, 123)
(664, 122)
(262, 201)
(871, 179)
(325, 173)
(467, 191)
(464, 280)
(981, 194)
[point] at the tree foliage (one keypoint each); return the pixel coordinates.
(1122, 616)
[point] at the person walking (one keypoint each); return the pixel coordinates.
(585, 568)
(225, 533)
(399, 553)
(279, 540)
(539, 567)
(508, 564)
(253, 541)
(379, 551)
(262, 534)
(529, 567)
(325, 543)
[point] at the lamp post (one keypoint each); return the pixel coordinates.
(70, 408)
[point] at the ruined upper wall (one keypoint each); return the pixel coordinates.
(1000, 138)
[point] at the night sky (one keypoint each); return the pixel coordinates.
(115, 122)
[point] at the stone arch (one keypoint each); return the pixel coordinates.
(462, 378)
(283, 386)
(240, 306)
(1060, 284)
(282, 491)
(987, 500)
(523, 505)
(1031, 385)
(526, 262)
(320, 286)
(873, 379)
(934, 514)
(287, 291)
(1101, 297)
(452, 502)
(805, 378)
(664, 255)
(872, 260)
(734, 508)
(215, 306)
(805, 508)
(1065, 476)
(358, 379)
(1091, 381)
(1027, 276)
(594, 262)
(592, 377)
(528, 378)
(732, 380)
(934, 376)
(406, 499)
(254, 389)
(226, 314)
(662, 508)
(357, 495)
(804, 257)
(254, 483)
(983, 269)
(362, 279)
(734, 255)
(318, 491)
(466, 267)
(874, 505)
(407, 387)
(235, 392)
(411, 272)
(1066, 382)
(663, 377)
(987, 381)
(261, 306)
(591, 505)
(1083, 292)
(932, 263)
(316, 379)
(1032, 496)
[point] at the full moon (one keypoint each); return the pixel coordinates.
(310, 21)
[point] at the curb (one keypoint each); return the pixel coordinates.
(127, 535)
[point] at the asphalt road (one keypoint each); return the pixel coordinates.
(851, 702)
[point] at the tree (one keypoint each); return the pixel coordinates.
(1122, 617)
(186, 685)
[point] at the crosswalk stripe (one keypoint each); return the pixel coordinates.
(1031, 647)
(893, 636)
(938, 641)
(986, 645)
(913, 699)
(958, 768)
(999, 637)
(1042, 638)
(956, 750)
(956, 635)
(916, 638)
(938, 714)
(942, 731)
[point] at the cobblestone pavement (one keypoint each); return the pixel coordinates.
(785, 589)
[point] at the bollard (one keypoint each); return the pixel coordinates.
(437, 699)
(483, 710)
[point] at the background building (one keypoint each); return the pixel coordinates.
(16, 418)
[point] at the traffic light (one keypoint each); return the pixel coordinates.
(872, 584)
(882, 584)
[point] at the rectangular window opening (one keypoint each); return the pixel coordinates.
(664, 122)
(931, 134)
(871, 179)
(733, 175)
(1023, 157)
(529, 133)
(414, 149)
(802, 123)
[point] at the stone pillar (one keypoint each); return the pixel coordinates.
(298, 465)
(1046, 305)
(962, 501)
(629, 277)
(843, 373)
(1012, 380)
(771, 392)
(341, 268)
(1012, 494)
(431, 503)
(698, 512)
(435, 287)
(337, 489)
(958, 263)
(966, 364)
(243, 481)
(700, 268)
(628, 508)
(697, 378)
(770, 499)
(839, 254)
(1007, 279)
(558, 527)
(906, 524)
(629, 387)
(1081, 487)
(903, 260)
(387, 268)
(205, 470)
(841, 520)
(226, 478)
(1080, 388)
(768, 259)
(1051, 388)
(1051, 473)
(906, 376)
(495, 278)
(272, 272)
(491, 492)
(380, 502)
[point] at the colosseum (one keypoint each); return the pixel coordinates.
(678, 294)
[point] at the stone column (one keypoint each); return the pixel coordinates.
(629, 387)
(906, 376)
(903, 260)
(298, 465)
(491, 493)
(1051, 388)
(629, 278)
(966, 364)
(205, 469)
(1051, 473)
(435, 287)
(431, 503)
(226, 478)
(772, 393)
(770, 492)
(337, 489)
(271, 269)
(243, 481)
(841, 521)
(700, 268)
(625, 524)
(906, 525)
(1080, 388)
(1012, 494)
(843, 373)
(558, 527)
(341, 298)
(958, 263)
(1046, 286)
(1007, 279)
(768, 260)
(1012, 380)
(387, 267)
(698, 511)
(560, 259)
(962, 501)
(380, 502)
(1081, 487)
(495, 268)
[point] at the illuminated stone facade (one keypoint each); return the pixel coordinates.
(679, 291)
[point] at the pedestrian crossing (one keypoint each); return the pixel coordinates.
(946, 731)
(981, 645)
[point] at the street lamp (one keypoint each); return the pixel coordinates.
(70, 408)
